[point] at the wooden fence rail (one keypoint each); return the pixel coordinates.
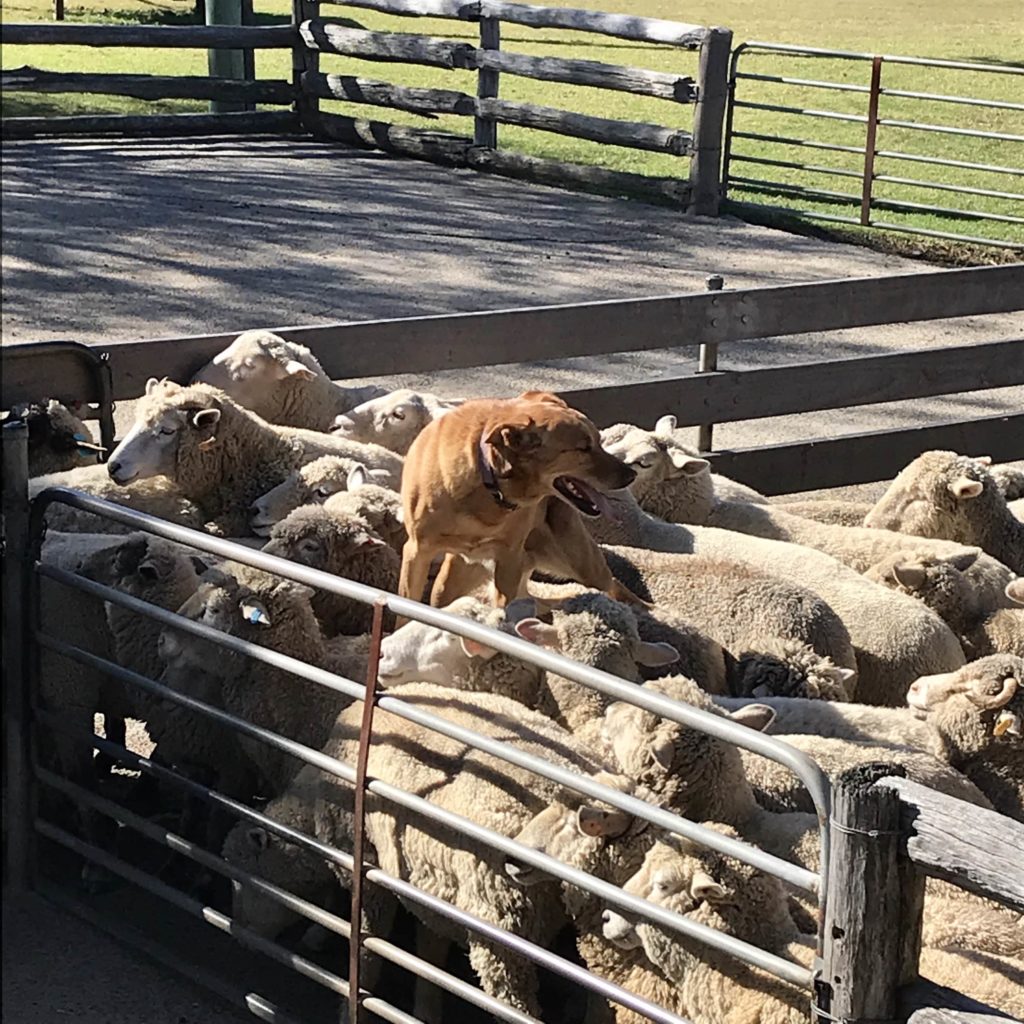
(425, 344)
(201, 37)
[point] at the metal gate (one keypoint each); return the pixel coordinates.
(876, 131)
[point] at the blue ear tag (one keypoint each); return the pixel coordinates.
(254, 615)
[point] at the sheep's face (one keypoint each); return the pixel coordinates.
(265, 855)
(655, 457)
(145, 564)
(789, 668)
(253, 365)
(311, 484)
(392, 420)
(978, 707)
(576, 830)
(421, 653)
(313, 537)
(940, 583)
(935, 496)
(167, 418)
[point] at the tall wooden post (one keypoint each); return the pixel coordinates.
(17, 773)
(706, 149)
(225, 63)
(305, 59)
(871, 934)
(485, 129)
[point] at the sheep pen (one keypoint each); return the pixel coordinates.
(230, 735)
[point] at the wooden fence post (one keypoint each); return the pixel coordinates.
(871, 933)
(304, 59)
(17, 773)
(485, 129)
(706, 148)
(225, 63)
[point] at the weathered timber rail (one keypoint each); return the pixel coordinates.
(713, 318)
(313, 37)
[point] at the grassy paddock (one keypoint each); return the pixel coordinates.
(993, 33)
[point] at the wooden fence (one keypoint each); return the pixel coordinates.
(310, 36)
(714, 318)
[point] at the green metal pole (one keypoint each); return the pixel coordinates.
(226, 63)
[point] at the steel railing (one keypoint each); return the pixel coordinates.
(870, 153)
(613, 687)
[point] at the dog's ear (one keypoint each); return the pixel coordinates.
(543, 396)
(510, 440)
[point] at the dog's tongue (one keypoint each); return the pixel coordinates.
(600, 499)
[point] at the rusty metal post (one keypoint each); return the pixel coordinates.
(355, 941)
(707, 362)
(870, 141)
(16, 567)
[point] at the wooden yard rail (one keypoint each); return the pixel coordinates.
(424, 344)
(888, 835)
(311, 37)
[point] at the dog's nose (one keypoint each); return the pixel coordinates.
(628, 475)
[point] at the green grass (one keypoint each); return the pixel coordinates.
(990, 32)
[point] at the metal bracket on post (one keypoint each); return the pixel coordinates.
(16, 569)
(707, 362)
(359, 811)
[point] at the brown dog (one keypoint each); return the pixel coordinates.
(493, 481)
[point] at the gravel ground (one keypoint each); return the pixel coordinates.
(117, 240)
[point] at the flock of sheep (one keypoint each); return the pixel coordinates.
(885, 632)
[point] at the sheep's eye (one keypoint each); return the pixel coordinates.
(308, 545)
(322, 493)
(249, 364)
(398, 414)
(644, 463)
(166, 431)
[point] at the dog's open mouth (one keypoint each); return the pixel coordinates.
(582, 496)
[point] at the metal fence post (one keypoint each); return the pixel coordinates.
(225, 63)
(485, 129)
(16, 552)
(706, 148)
(707, 362)
(355, 941)
(869, 142)
(871, 931)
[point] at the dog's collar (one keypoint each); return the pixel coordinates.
(489, 479)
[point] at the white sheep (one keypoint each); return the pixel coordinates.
(311, 484)
(379, 507)
(1003, 631)
(393, 420)
(222, 456)
(281, 381)
(894, 637)
(828, 510)
(341, 546)
(1010, 480)
(945, 495)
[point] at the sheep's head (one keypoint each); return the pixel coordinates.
(939, 581)
(171, 422)
(54, 432)
(975, 708)
(418, 652)
(143, 565)
(663, 467)
(707, 887)
(789, 668)
(587, 834)
(266, 855)
(255, 364)
(379, 506)
(311, 484)
(1009, 480)
(938, 495)
(312, 536)
(393, 420)
(683, 765)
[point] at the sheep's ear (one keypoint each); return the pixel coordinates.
(259, 838)
(964, 488)
(1008, 722)
(293, 368)
(688, 465)
(665, 425)
(754, 716)
(475, 649)
(965, 559)
(296, 591)
(652, 655)
(704, 887)
(199, 564)
(597, 823)
(539, 633)
(357, 477)
(663, 750)
(205, 418)
(1015, 591)
(367, 539)
(151, 384)
(911, 575)
(254, 612)
(985, 460)
(844, 674)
